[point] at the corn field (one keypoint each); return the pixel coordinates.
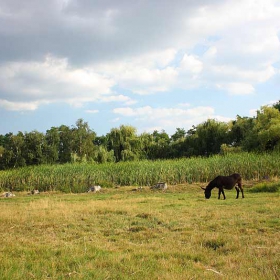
(77, 178)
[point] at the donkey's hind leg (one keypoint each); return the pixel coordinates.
(240, 187)
(221, 191)
(237, 192)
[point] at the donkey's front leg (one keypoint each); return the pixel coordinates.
(222, 190)
(219, 193)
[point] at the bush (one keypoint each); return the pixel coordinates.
(265, 187)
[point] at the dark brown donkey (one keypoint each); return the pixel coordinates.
(224, 182)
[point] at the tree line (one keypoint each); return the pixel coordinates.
(80, 143)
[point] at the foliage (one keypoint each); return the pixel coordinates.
(78, 177)
(210, 136)
(124, 142)
(267, 128)
(277, 105)
(265, 187)
(80, 143)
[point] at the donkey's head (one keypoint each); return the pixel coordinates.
(207, 193)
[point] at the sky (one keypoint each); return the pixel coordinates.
(152, 64)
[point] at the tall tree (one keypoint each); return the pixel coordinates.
(177, 144)
(123, 141)
(145, 141)
(12, 151)
(210, 136)
(267, 128)
(65, 144)
(52, 145)
(277, 105)
(34, 147)
(239, 130)
(83, 138)
(160, 145)
(179, 134)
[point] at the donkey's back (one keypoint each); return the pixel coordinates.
(228, 182)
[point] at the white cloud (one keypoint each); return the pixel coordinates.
(18, 106)
(148, 81)
(237, 88)
(155, 59)
(148, 112)
(211, 53)
(52, 80)
(246, 47)
(145, 74)
(118, 98)
(184, 104)
(234, 74)
(191, 64)
(92, 111)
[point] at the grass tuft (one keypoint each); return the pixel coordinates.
(265, 187)
(214, 244)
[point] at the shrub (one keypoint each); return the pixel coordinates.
(265, 187)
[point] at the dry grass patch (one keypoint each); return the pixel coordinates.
(125, 234)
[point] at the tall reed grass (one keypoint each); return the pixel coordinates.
(78, 177)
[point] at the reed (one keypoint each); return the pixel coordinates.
(75, 178)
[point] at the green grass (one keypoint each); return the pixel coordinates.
(125, 234)
(266, 187)
(76, 178)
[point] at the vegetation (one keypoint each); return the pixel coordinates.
(120, 234)
(78, 177)
(144, 234)
(266, 187)
(63, 144)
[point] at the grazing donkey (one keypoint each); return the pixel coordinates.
(224, 182)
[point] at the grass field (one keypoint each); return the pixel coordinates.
(125, 234)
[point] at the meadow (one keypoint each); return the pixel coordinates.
(131, 233)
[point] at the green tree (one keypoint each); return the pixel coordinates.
(177, 144)
(145, 142)
(267, 128)
(240, 130)
(65, 144)
(179, 134)
(52, 145)
(160, 145)
(12, 151)
(34, 146)
(210, 136)
(277, 105)
(102, 155)
(123, 141)
(83, 141)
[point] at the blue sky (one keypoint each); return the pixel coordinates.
(150, 64)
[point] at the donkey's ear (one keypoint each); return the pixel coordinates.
(203, 188)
